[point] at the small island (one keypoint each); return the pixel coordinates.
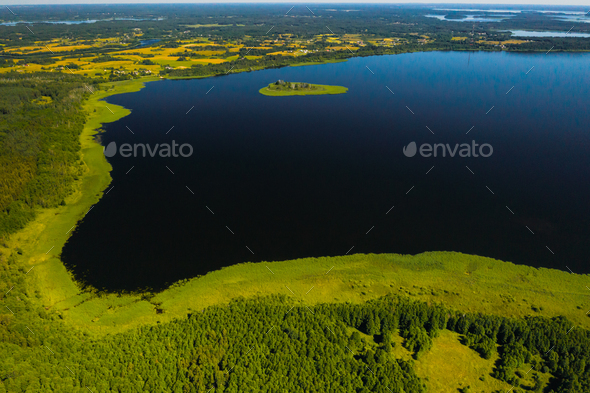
(282, 88)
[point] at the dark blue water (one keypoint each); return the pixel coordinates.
(296, 177)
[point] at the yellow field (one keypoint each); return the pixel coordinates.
(161, 51)
(344, 48)
(458, 38)
(198, 44)
(23, 49)
(212, 52)
(515, 42)
(60, 45)
(285, 53)
(57, 48)
(209, 61)
(161, 57)
(197, 26)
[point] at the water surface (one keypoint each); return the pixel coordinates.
(307, 176)
(72, 22)
(526, 33)
(471, 18)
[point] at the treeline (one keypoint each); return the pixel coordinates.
(272, 345)
(275, 61)
(40, 123)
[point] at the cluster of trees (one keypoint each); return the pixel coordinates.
(262, 345)
(269, 345)
(481, 343)
(39, 143)
(282, 85)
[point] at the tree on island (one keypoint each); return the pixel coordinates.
(293, 85)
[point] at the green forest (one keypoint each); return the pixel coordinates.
(40, 123)
(269, 344)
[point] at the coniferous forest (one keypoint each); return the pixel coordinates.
(271, 345)
(40, 124)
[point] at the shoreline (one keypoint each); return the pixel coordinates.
(43, 238)
(239, 71)
(345, 59)
(465, 282)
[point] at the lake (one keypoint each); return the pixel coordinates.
(74, 22)
(526, 33)
(144, 43)
(276, 178)
(470, 18)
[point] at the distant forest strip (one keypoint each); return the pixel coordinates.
(238, 20)
(270, 344)
(277, 61)
(40, 123)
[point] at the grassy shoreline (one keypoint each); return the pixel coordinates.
(41, 241)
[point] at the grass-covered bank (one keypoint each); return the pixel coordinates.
(464, 282)
(40, 242)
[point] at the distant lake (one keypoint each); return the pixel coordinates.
(276, 178)
(573, 18)
(72, 22)
(147, 42)
(525, 33)
(568, 16)
(470, 18)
